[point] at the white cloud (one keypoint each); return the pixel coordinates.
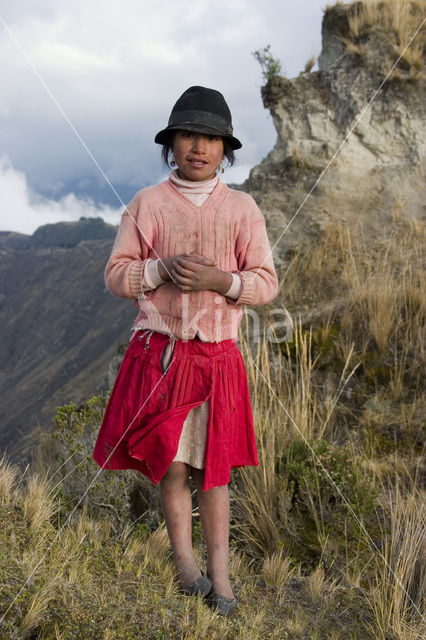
(236, 174)
(116, 69)
(24, 211)
(66, 58)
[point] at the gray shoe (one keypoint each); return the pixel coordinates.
(223, 606)
(200, 587)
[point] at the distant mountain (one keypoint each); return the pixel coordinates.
(95, 189)
(60, 234)
(60, 326)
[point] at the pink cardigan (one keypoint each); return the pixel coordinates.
(161, 222)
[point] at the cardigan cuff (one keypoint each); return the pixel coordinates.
(151, 275)
(235, 300)
(248, 289)
(138, 282)
(235, 288)
(135, 278)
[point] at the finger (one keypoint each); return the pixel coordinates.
(198, 257)
(184, 270)
(182, 259)
(187, 260)
(190, 268)
(182, 278)
(184, 287)
(197, 264)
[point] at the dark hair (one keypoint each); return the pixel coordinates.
(167, 151)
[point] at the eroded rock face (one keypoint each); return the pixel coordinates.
(344, 132)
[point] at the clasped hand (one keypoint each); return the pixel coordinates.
(195, 272)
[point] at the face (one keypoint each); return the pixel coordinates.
(197, 155)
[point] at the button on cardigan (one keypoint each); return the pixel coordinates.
(160, 222)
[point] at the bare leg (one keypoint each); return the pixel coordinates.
(214, 514)
(177, 508)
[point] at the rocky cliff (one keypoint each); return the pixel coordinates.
(352, 132)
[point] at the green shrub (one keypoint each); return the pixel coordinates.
(329, 495)
(271, 67)
(67, 456)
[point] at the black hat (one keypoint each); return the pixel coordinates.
(204, 111)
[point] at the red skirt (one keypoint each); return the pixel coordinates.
(147, 407)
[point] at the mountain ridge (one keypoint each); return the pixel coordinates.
(61, 327)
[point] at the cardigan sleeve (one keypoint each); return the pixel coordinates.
(124, 272)
(255, 264)
(152, 278)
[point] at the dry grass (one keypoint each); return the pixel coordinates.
(277, 570)
(369, 313)
(398, 17)
(400, 576)
(386, 290)
(297, 623)
(38, 506)
(310, 63)
(94, 584)
(398, 21)
(377, 290)
(305, 564)
(8, 477)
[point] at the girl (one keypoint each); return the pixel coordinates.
(190, 252)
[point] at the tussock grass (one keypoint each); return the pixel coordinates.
(310, 63)
(398, 21)
(400, 582)
(37, 505)
(316, 583)
(277, 570)
(8, 477)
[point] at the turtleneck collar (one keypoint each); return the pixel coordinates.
(191, 188)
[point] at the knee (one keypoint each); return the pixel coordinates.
(176, 476)
(198, 478)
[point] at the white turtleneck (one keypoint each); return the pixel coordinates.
(197, 192)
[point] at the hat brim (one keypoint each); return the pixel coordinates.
(163, 136)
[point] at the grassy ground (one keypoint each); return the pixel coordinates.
(328, 533)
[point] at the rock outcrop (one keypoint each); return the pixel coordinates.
(349, 132)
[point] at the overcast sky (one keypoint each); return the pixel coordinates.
(115, 70)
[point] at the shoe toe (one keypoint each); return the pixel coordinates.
(201, 586)
(223, 606)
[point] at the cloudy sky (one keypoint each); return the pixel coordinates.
(87, 83)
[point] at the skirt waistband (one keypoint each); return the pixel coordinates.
(183, 347)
